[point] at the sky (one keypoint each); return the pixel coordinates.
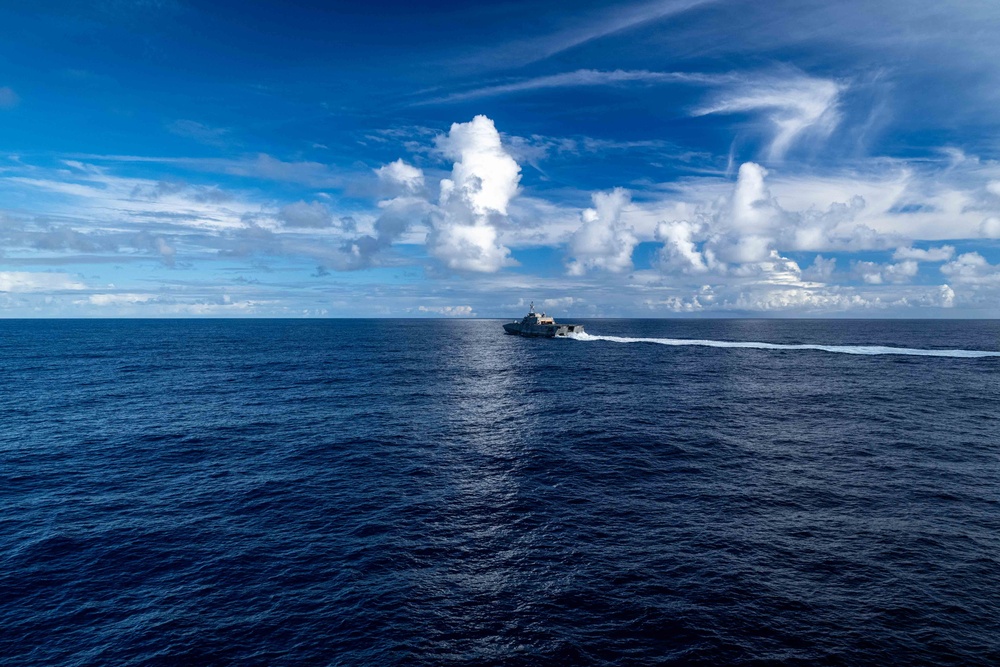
(678, 158)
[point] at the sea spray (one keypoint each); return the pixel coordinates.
(841, 349)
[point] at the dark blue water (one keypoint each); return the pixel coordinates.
(437, 493)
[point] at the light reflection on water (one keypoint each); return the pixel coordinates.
(430, 492)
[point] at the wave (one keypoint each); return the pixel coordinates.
(839, 349)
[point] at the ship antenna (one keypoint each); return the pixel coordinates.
(531, 308)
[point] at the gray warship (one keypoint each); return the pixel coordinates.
(538, 325)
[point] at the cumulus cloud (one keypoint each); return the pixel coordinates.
(971, 268)
(729, 252)
(946, 296)
(484, 177)
(603, 241)
(821, 270)
(874, 273)
(403, 178)
(804, 299)
(940, 254)
(679, 251)
(398, 215)
(406, 207)
(725, 244)
(743, 233)
(795, 105)
(774, 269)
(741, 229)
(474, 201)
(753, 214)
(815, 229)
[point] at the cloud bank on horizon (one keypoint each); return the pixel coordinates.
(647, 159)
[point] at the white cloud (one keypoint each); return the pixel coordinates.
(772, 270)
(115, 199)
(474, 200)
(874, 273)
(680, 252)
(588, 27)
(804, 299)
(971, 268)
(28, 281)
(740, 229)
(990, 228)
(751, 219)
(603, 241)
(402, 177)
(448, 311)
(734, 242)
(821, 270)
(795, 106)
(743, 232)
(580, 78)
(562, 302)
(726, 244)
(947, 296)
(484, 177)
(121, 299)
(940, 254)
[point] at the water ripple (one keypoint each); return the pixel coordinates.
(437, 493)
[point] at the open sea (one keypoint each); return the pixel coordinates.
(429, 492)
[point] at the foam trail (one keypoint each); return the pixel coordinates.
(841, 349)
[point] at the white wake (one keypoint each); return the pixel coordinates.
(841, 349)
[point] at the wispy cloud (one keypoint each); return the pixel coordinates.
(609, 22)
(205, 134)
(116, 200)
(580, 78)
(26, 281)
(259, 166)
(794, 105)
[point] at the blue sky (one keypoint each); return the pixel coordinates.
(653, 159)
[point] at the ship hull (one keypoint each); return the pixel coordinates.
(542, 330)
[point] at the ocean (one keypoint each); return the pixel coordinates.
(431, 492)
